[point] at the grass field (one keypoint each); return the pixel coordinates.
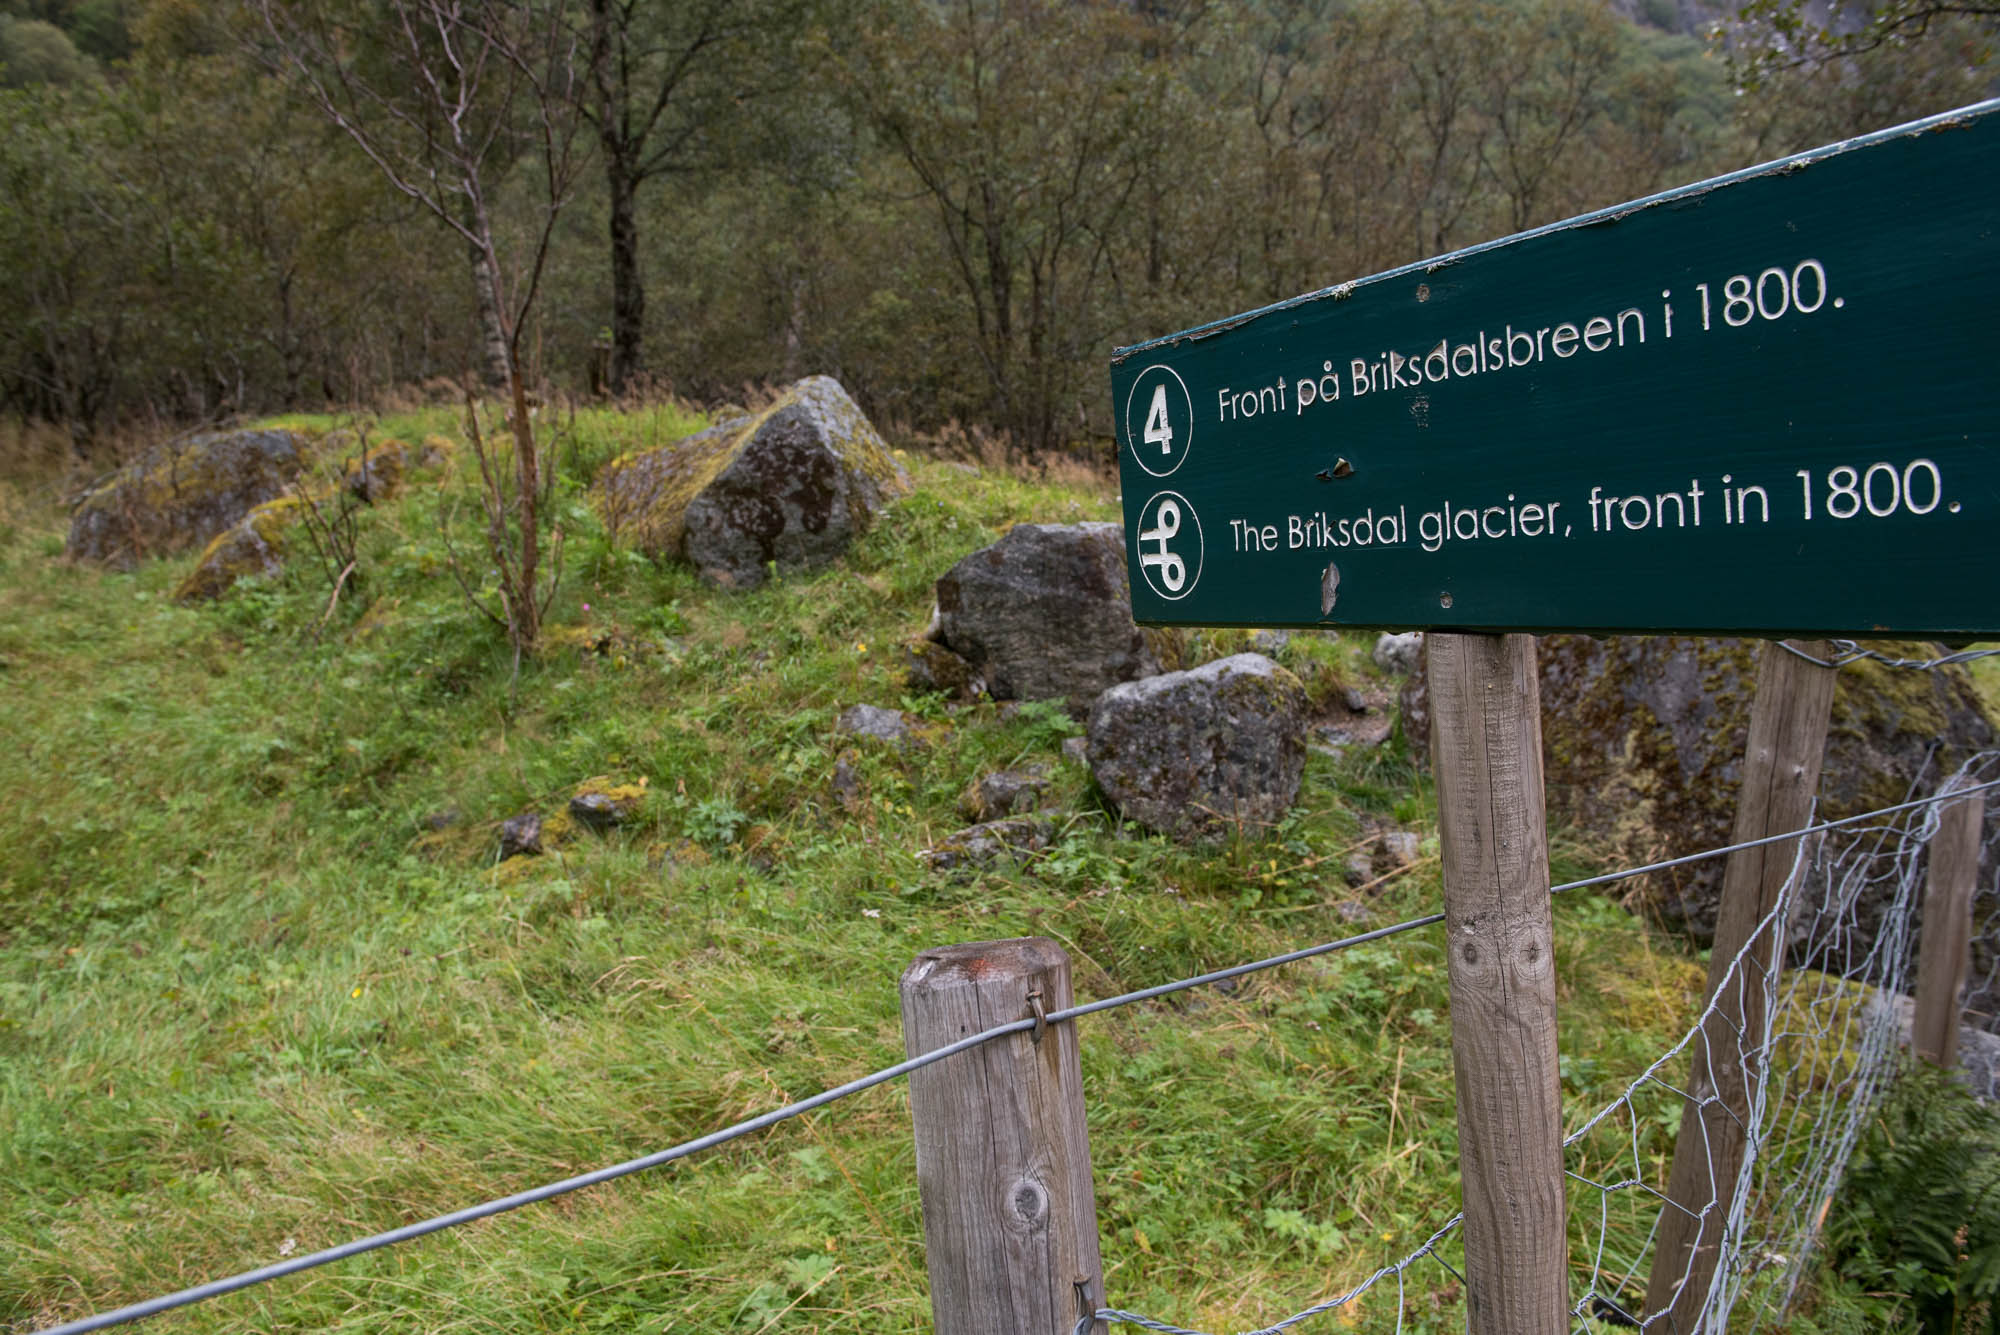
(264, 987)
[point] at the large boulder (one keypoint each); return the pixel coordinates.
(1044, 614)
(1201, 754)
(1643, 740)
(183, 493)
(253, 545)
(793, 485)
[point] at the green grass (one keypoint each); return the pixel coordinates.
(263, 989)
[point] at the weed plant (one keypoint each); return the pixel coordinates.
(265, 986)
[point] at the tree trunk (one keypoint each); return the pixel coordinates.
(492, 331)
(628, 290)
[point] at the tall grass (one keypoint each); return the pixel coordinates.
(264, 986)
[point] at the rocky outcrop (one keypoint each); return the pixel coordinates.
(253, 545)
(1216, 750)
(1044, 614)
(376, 472)
(182, 494)
(1643, 742)
(788, 488)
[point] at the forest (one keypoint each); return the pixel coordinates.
(209, 211)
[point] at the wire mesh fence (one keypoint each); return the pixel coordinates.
(1811, 1015)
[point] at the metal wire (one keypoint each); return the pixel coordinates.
(409, 1232)
(1116, 1316)
(1848, 651)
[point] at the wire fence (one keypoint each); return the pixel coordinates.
(1823, 1032)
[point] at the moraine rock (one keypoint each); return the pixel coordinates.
(1643, 740)
(1202, 753)
(1044, 614)
(253, 545)
(884, 725)
(521, 836)
(1007, 792)
(1399, 653)
(1015, 839)
(182, 494)
(792, 486)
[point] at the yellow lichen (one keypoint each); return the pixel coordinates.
(644, 497)
(254, 545)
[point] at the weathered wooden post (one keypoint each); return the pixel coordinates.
(1590, 428)
(1781, 763)
(1486, 751)
(1947, 931)
(1003, 1159)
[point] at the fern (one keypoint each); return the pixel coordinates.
(1920, 1211)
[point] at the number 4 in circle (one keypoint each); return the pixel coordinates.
(1159, 431)
(1159, 420)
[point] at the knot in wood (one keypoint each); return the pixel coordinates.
(1027, 1206)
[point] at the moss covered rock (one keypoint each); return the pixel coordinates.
(1643, 741)
(253, 545)
(1216, 750)
(375, 473)
(183, 493)
(789, 487)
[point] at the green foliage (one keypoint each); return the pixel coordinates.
(956, 208)
(34, 52)
(1919, 1213)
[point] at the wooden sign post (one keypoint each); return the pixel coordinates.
(1781, 764)
(1486, 751)
(1759, 405)
(1946, 940)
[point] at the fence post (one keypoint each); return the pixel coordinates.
(1947, 929)
(1486, 751)
(1781, 764)
(1003, 1159)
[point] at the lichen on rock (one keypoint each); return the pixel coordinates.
(183, 493)
(1216, 750)
(1643, 740)
(1045, 613)
(789, 488)
(254, 545)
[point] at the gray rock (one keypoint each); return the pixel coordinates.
(521, 836)
(1203, 753)
(1400, 847)
(1359, 868)
(599, 811)
(1007, 792)
(884, 725)
(848, 785)
(1269, 641)
(792, 486)
(1045, 613)
(181, 494)
(1076, 750)
(1643, 740)
(1353, 718)
(931, 669)
(1402, 653)
(253, 545)
(1015, 839)
(1978, 1051)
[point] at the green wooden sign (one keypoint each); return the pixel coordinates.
(1765, 404)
